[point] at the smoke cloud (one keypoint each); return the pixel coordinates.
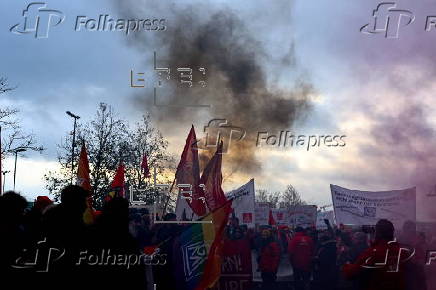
(241, 87)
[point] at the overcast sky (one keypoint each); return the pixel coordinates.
(376, 91)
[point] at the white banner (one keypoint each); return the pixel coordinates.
(243, 203)
(321, 216)
(355, 207)
(302, 215)
(261, 213)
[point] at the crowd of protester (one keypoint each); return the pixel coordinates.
(41, 247)
(347, 259)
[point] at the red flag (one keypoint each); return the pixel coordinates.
(144, 166)
(118, 184)
(150, 250)
(188, 172)
(212, 179)
(83, 178)
(84, 181)
(119, 177)
(271, 220)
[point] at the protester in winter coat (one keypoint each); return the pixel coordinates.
(269, 260)
(66, 232)
(359, 245)
(301, 250)
(372, 267)
(113, 241)
(12, 240)
(283, 238)
(325, 263)
(344, 245)
(234, 230)
(415, 272)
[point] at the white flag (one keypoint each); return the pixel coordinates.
(243, 203)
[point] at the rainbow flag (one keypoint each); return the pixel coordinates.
(198, 251)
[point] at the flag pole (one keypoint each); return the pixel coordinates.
(168, 198)
(154, 176)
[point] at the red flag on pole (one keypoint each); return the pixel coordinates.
(144, 166)
(117, 184)
(212, 179)
(84, 181)
(83, 178)
(271, 220)
(188, 173)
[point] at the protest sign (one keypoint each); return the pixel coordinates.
(280, 216)
(236, 272)
(321, 216)
(357, 207)
(302, 215)
(261, 213)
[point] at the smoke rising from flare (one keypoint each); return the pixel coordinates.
(237, 85)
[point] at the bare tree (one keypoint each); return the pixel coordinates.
(263, 195)
(109, 140)
(145, 139)
(4, 86)
(13, 135)
(103, 136)
(291, 197)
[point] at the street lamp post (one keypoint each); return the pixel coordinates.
(4, 179)
(16, 151)
(75, 117)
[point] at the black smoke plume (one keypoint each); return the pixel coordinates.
(238, 88)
